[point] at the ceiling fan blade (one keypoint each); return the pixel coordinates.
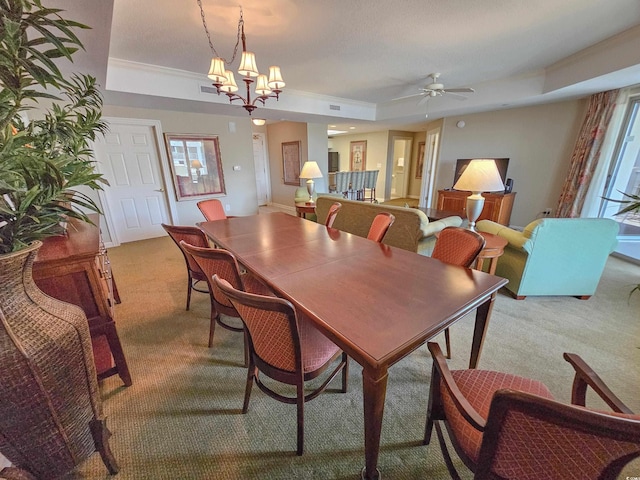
(457, 96)
(407, 96)
(424, 100)
(460, 90)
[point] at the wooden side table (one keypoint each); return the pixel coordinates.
(302, 208)
(493, 249)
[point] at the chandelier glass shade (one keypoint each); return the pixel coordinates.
(224, 79)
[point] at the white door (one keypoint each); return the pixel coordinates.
(401, 166)
(128, 158)
(261, 168)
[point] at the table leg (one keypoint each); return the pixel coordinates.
(374, 392)
(483, 314)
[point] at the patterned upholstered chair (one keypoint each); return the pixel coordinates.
(457, 246)
(381, 223)
(509, 427)
(286, 347)
(193, 236)
(212, 209)
(216, 261)
(333, 212)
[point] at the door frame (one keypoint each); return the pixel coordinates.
(163, 159)
(432, 148)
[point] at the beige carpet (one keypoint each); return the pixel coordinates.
(181, 417)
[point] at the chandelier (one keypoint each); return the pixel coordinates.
(224, 80)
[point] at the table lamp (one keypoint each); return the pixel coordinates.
(196, 165)
(481, 175)
(310, 170)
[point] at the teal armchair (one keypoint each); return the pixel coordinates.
(554, 256)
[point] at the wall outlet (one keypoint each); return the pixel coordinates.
(227, 207)
(546, 212)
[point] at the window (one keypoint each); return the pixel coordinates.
(196, 165)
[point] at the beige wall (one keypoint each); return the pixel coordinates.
(236, 149)
(377, 145)
(277, 134)
(537, 140)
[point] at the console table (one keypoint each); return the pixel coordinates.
(497, 206)
(75, 268)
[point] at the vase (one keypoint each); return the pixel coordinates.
(50, 410)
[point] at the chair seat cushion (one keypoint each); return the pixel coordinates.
(316, 348)
(478, 387)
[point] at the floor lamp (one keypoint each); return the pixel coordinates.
(481, 175)
(310, 170)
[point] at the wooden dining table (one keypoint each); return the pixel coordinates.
(377, 303)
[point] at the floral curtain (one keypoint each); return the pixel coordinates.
(586, 153)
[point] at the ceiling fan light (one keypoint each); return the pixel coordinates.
(216, 70)
(248, 66)
(433, 93)
(229, 85)
(275, 78)
(262, 88)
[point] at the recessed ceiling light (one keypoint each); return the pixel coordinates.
(332, 126)
(352, 128)
(335, 132)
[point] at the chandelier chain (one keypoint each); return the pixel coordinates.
(206, 29)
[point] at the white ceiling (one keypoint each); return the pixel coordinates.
(359, 55)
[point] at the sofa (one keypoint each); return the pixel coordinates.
(411, 229)
(554, 256)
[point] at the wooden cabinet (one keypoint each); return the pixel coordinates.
(497, 206)
(75, 268)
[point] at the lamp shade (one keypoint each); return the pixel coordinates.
(248, 65)
(310, 170)
(196, 164)
(229, 85)
(481, 175)
(217, 70)
(275, 78)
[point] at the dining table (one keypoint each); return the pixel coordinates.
(377, 303)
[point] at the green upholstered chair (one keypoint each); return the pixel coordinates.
(554, 256)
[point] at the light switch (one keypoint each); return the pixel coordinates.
(232, 127)
(236, 168)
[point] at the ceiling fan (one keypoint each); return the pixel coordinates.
(436, 89)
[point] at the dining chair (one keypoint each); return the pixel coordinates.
(331, 215)
(380, 225)
(217, 261)
(212, 209)
(193, 236)
(457, 246)
(508, 427)
(285, 347)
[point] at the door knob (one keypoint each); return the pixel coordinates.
(160, 190)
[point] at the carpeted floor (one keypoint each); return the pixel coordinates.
(181, 417)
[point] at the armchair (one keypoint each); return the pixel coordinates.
(509, 427)
(554, 256)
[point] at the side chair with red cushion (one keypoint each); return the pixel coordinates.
(509, 427)
(333, 212)
(285, 347)
(457, 246)
(193, 236)
(212, 209)
(216, 261)
(380, 225)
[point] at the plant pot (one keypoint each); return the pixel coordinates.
(50, 409)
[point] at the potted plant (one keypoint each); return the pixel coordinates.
(50, 410)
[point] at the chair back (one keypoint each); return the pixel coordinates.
(530, 437)
(458, 246)
(272, 326)
(216, 261)
(191, 235)
(212, 209)
(380, 225)
(331, 216)
(343, 179)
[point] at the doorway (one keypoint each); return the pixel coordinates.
(135, 202)
(624, 176)
(401, 166)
